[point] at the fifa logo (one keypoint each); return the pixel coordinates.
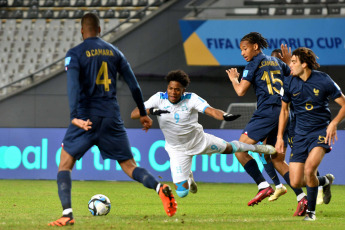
(316, 92)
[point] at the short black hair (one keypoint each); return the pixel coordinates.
(255, 37)
(306, 55)
(179, 76)
(90, 21)
(277, 51)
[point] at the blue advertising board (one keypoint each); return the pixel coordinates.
(35, 153)
(216, 42)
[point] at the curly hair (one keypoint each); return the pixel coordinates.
(306, 55)
(255, 37)
(179, 76)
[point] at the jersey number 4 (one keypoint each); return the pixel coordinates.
(105, 81)
(271, 80)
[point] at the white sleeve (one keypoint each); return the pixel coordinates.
(199, 103)
(153, 101)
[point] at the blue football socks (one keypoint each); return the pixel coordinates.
(145, 177)
(64, 183)
(312, 196)
(252, 169)
(270, 170)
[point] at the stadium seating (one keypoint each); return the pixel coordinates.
(48, 3)
(3, 3)
(276, 8)
(37, 33)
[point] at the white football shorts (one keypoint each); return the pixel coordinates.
(181, 158)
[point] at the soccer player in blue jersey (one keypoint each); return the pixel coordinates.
(266, 74)
(91, 69)
(309, 91)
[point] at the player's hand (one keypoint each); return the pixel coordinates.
(331, 134)
(86, 125)
(146, 122)
(280, 145)
(233, 74)
(230, 117)
(157, 112)
(286, 51)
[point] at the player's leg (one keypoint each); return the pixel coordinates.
(64, 182)
(180, 166)
(114, 144)
(280, 189)
(75, 143)
(296, 177)
(146, 178)
(252, 168)
(313, 161)
(283, 169)
(237, 146)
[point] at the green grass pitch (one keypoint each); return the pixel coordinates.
(31, 204)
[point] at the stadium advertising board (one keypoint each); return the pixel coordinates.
(216, 42)
(35, 154)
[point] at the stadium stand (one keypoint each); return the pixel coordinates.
(269, 8)
(36, 34)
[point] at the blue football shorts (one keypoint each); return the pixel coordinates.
(264, 124)
(108, 133)
(302, 145)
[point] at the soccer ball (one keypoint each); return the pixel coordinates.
(99, 205)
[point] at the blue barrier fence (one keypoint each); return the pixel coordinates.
(27, 153)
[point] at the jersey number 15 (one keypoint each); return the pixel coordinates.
(271, 80)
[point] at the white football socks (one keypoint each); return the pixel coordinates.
(66, 211)
(241, 147)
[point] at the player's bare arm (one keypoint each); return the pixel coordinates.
(240, 87)
(220, 114)
(331, 132)
(283, 119)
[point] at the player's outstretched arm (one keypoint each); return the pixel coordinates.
(331, 132)
(220, 114)
(156, 112)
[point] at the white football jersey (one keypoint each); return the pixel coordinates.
(180, 127)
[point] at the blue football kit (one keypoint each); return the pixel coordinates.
(310, 100)
(266, 74)
(92, 67)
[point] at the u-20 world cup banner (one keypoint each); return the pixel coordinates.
(216, 42)
(35, 154)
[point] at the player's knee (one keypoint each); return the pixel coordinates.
(180, 190)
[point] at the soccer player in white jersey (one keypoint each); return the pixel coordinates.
(177, 113)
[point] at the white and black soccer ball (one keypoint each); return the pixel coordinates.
(99, 205)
